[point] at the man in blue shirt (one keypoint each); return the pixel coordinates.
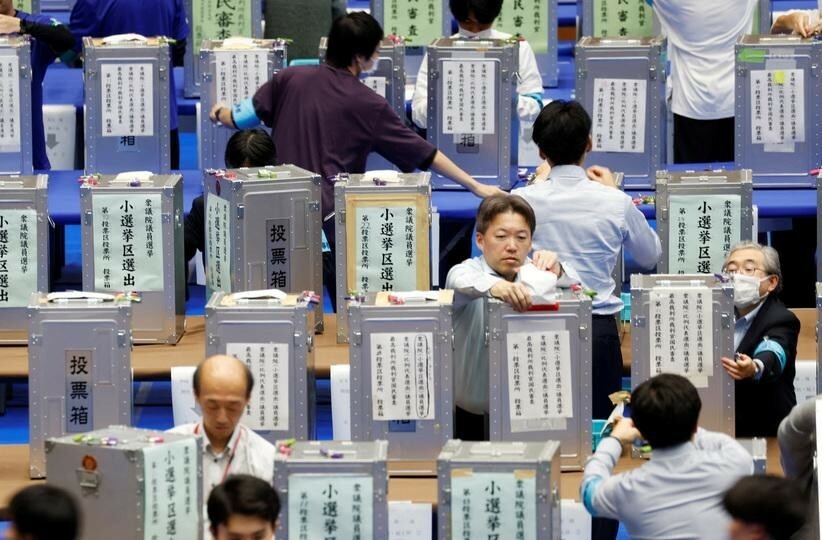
(150, 18)
(51, 40)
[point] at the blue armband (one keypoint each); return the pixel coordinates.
(588, 489)
(326, 246)
(535, 96)
(244, 115)
(769, 345)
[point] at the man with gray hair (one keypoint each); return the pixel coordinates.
(765, 337)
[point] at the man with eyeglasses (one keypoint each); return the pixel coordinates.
(765, 337)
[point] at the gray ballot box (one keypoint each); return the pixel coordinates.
(402, 382)
(539, 365)
(621, 81)
(508, 490)
(263, 231)
(684, 324)
(350, 477)
(79, 367)
(758, 448)
(127, 107)
(231, 71)
(536, 23)
(471, 112)
(15, 105)
(24, 251)
(382, 236)
(778, 108)
(271, 332)
(617, 18)
(217, 20)
(819, 224)
(700, 215)
(818, 331)
(132, 234)
(130, 483)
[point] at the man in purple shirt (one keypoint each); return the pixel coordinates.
(325, 120)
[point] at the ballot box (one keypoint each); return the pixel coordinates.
(621, 81)
(700, 215)
(132, 484)
(778, 108)
(757, 447)
(819, 224)
(132, 235)
(382, 229)
(24, 251)
(79, 366)
(617, 18)
(230, 71)
(508, 490)
(263, 231)
(539, 365)
(684, 324)
(15, 105)
(471, 112)
(818, 330)
(271, 333)
(336, 485)
(535, 21)
(127, 105)
(216, 20)
(402, 382)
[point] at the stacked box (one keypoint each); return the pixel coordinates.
(271, 333)
(79, 367)
(15, 105)
(350, 477)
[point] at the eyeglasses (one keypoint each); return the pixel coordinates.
(747, 270)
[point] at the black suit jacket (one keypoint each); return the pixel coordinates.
(762, 404)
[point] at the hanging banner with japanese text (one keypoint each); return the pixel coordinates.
(702, 230)
(219, 19)
(218, 245)
(171, 491)
(632, 18)
(498, 505)
(682, 334)
(330, 506)
(128, 245)
(619, 115)
(78, 391)
(469, 96)
(527, 19)
(23, 5)
(267, 410)
(127, 99)
(418, 21)
(9, 101)
(402, 376)
(239, 74)
(777, 108)
(18, 257)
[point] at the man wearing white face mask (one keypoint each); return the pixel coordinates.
(765, 337)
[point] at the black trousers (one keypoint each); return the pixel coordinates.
(174, 140)
(703, 141)
(607, 363)
(469, 426)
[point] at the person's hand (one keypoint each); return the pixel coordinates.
(214, 114)
(797, 21)
(484, 191)
(744, 368)
(9, 25)
(542, 172)
(625, 431)
(546, 260)
(602, 175)
(515, 294)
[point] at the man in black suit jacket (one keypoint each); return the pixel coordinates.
(765, 337)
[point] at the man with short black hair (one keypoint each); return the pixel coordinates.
(764, 507)
(43, 512)
(243, 508)
(678, 494)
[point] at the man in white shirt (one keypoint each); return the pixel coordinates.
(222, 388)
(805, 22)
(505, 224)
(586, 220)
(678, 494)
(475, 18)
(701, 38)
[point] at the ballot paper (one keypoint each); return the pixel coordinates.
(542, 283)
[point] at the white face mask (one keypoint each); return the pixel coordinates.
(746, 290)
(369, 66)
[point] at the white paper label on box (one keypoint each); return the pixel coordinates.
(18, 257)
(10, 102)
(79, 388)
(681, 336)
(501, 504)
(128, 242)
(341, 503)
(402, 376)
(619, 115)
(702, 230)
(777, 108)
(377, 84)
(267, 409)
(469, 101)
(184, 406)
(218, 246)
(386, 248)
(171, 491)
(239, 74)
(409, 521)
(341, 402)
(127, 99)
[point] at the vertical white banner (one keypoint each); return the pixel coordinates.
(702, 229)
(171, 478)
(493, 505)
(9, 101)
(402, 376)
(127, 99)
(322, 505)
(619, 115)
(468, 97)
(18, 257)
(268, 407)
(777, 108)
(218, 245)
(239, 74)
(386, 248)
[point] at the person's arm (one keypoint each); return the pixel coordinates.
(797, 442)
(776, 350)
(640, 239)
(443, 165)
(419, 101)
(601, 493)
(529, 88)
(733, 452)
(796, 21)
(468, 279)
(180, 31)
(83, 22)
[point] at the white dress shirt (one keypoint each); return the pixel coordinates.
(587, 224)
(530, 81)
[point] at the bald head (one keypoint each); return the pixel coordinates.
(223, 373)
